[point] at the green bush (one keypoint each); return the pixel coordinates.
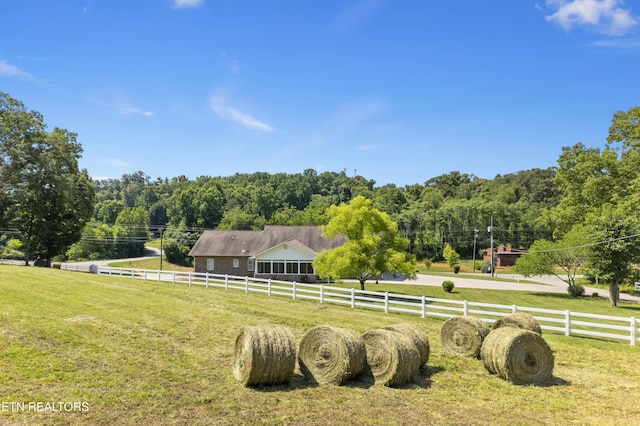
(575, 290)
(448, 286)
(427, 263)
(456, 269)
(177, 253)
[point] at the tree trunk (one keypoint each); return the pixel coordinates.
(362, 285)
(613, 294)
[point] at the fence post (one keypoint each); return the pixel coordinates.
(158, 275)
(206, 279)
(567, 320)
(386, 302)
(145, 274)
(465, 308)
(294, 290)
(109, 270)
(633, 331)
(189, 277)
(424, 306)
(321, 293)
(226, 281)
(174, 277)
(514, 309)
(120, 271)
(246, 284)
(353, 298)
(269, 287)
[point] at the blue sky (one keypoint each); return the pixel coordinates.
(398, 91)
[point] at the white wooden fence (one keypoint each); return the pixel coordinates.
(566, 322)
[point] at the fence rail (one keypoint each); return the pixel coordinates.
(565, 322)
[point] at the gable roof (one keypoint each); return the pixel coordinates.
(249, 243)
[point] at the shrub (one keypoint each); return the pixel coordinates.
(177, 253)
(486, 267)
(427, 263)
(575, 290)
(448, 286)
(456, 269)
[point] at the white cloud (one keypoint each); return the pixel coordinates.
(182, 4)
(218, 104)
(356, 14)
(367, 147)
(8, 70)
(123, 109)
(605, 16)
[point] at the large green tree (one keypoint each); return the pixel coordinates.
(616, 248)
(373, 245)
(570, 254)
(43, 192)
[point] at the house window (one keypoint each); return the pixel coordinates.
(210, 264)
(236, 263)
(306, 268)
(250, 264)
(264, 267)
(278, 267)
(292, 267)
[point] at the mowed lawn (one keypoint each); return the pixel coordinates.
(149, 353)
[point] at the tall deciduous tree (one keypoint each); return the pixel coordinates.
(618, 238)
(44, 193)
(569, 254)
(373, 245)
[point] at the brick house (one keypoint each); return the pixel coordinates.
(505, 256)
(276, 252)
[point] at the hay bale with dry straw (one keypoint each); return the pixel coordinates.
(520, 320)
(392, 357)
(331, 355)
(264, 355)
(417, 336)
(519, 356)
(463, 335)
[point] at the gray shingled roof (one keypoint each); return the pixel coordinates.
(249, 243)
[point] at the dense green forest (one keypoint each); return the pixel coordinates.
(445, 209)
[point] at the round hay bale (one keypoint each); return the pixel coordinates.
(519, 356)
(331, 355)
(463, 335)
(264, 355)
(418, 337)
(392, 357)
(520, 320)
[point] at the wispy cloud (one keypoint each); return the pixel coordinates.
(183, 4)
(8, 70)
(356, 14)
(609, 17)
(619, 43)
(123, 109)
(218, 104)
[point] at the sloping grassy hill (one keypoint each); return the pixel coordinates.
(156, 353)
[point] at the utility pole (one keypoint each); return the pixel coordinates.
(475, 237)
(491, 243)
(161, 237)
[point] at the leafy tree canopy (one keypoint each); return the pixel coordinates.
(373, 244)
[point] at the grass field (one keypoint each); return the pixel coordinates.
(149, 353)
